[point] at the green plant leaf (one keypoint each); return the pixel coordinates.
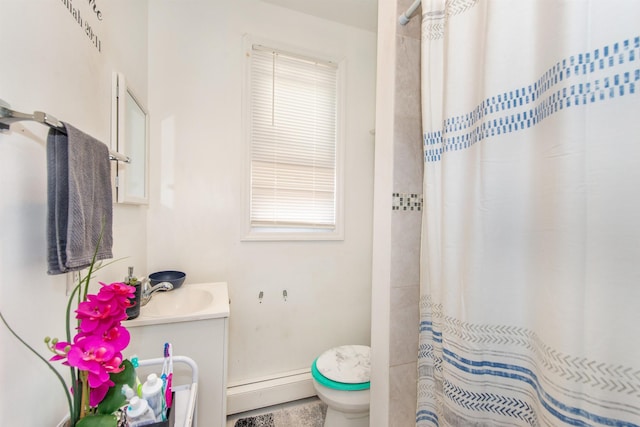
(115, 398)
(98, 421)
(127, 376)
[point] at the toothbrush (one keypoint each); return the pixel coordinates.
(163, 377)
(168, 373)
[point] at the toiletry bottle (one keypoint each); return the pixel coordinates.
(135, 361)
(127, 392)
(134, 310)
(139, 413)
(152, 392)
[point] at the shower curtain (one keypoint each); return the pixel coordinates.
(530, 275)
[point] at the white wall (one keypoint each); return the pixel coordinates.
(195, 82)
(197, 164)
(48, 64)
(382, 236)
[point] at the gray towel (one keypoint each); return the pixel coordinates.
(79, 204)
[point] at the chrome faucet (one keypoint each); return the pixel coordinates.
(148, 290)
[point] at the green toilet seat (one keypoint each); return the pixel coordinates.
(343, 368)
(335, 384)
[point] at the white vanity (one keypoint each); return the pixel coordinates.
(195, 320)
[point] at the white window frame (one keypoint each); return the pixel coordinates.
(282, 234)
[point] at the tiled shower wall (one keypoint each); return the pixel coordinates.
(406, 224)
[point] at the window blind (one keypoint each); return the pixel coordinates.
(293, 141)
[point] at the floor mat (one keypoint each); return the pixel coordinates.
(257, 421)
(306, 415)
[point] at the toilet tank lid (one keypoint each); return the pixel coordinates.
(346, 364)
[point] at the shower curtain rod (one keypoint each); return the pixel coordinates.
(8, 116)
(406, 17)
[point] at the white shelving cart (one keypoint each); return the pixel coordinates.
(185, 398)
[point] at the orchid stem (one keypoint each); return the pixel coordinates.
(57, 374)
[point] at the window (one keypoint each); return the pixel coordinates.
(293, 138)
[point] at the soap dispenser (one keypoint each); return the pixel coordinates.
(134, 310)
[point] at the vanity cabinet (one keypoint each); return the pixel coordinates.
(205, 340)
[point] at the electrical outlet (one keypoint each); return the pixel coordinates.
(72, 279)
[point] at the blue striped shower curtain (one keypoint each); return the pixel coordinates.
(530, 287)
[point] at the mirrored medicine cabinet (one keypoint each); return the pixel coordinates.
(130, 137)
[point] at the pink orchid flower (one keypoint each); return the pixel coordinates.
(91, 354)
(97, 347)
(118, 337)
(117, 293)
(61, 349)
(96, 316)
(97, 394)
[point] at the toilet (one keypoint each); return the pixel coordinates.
(341, 380)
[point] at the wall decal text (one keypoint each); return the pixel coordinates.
(97, 11)
(83, 23)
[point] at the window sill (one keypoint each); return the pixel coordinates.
(278, 235)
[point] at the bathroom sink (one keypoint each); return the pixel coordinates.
(178, 302)
(187, 303)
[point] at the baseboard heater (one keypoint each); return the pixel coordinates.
(267, 391)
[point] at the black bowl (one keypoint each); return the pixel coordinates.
(176, 278)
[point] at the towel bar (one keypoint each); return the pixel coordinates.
(8, 116)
